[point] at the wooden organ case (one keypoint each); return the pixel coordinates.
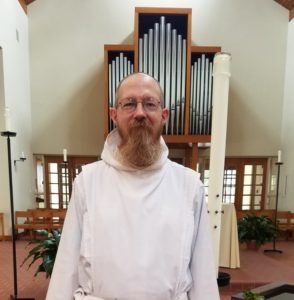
(162, 48)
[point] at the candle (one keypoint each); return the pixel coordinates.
(7, 119)
(22, 155)
(197, 167)
(279, 156)
(64, 155)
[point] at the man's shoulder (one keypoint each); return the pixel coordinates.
(90, 169)
(181, 170)
(91, 166)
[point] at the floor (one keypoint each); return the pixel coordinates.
(257, 268)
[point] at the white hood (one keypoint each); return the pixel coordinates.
(110, 149)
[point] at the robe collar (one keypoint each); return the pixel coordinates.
(109, 154)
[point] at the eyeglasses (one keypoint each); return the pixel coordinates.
(130, 104)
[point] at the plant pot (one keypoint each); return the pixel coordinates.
(251, 245)
(223, 279)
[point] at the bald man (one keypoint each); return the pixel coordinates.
(137, 226)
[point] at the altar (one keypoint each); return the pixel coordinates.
(229, 256)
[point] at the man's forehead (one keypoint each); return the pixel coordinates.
(139, 81)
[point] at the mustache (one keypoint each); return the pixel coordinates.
(140, 123)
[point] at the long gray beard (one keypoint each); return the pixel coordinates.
(140, 149)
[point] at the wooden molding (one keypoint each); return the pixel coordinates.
(23, 4)
(207, 49)
(184, 139)
(291, 14)
(160, 10)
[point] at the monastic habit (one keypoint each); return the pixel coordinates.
(135, 234)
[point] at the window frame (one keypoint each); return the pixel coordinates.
(239, 165)
(74, 163)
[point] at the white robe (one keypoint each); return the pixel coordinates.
(135, 234)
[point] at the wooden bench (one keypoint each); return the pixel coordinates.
(270, 213)
(42, 219)
(23, 220)
(58, 217)
(285, 221)
(34, 219)
(2, 225)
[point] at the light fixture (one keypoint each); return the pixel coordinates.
(22, 158)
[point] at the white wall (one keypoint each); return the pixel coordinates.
(15, 93)
(66, 49)
(287, 169)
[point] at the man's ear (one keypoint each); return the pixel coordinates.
(165, 115)
(113, 114)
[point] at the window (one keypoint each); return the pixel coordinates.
(59, 178)
(229, 185)
(205, 180)
(244, 182)
(247, 182)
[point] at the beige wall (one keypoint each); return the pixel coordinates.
(15, 93)
(66, 48)
(287, 169)
(66, 74)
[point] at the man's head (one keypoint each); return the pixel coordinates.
(140, 118)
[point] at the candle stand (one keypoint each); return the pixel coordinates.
(8, 135)
(66, 179)
(276, 211)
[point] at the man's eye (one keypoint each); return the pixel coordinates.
(150, 104)
(129, 105)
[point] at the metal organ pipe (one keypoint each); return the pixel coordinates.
(156, 50)
(183, 82)
(118, 68)
(201, 95)
(162, 54)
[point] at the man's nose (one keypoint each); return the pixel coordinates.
(139, 111)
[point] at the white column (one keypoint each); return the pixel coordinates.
(221, 78)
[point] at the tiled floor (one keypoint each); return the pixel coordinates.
(256, 269)
(259, 268)
(27, 284)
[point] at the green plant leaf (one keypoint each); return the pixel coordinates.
(258, 228)
(45, 249)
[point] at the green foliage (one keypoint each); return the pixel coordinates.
(249, 295)
(45, 249)
(258, 228)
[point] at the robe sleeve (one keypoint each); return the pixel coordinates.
(64, 279)
(202, 266)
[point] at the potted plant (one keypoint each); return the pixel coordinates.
(249, 295)
(45, 249)
(256, 229)
(223, 279)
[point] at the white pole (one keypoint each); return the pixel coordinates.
(221, 78)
